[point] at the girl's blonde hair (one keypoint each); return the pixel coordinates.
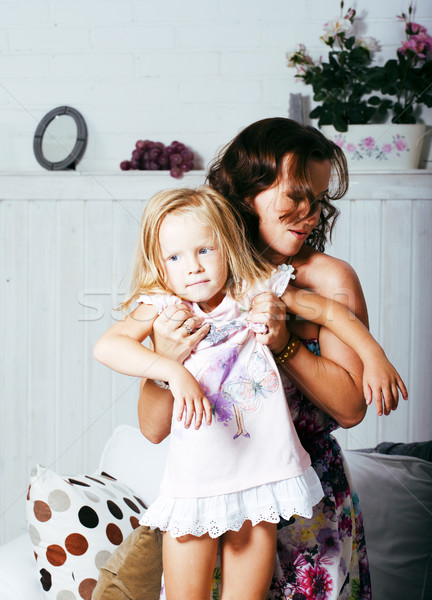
(245, 266)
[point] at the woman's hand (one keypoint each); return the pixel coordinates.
(269, 310)
(177, 331)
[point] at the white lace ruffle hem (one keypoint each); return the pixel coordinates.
(217, 514)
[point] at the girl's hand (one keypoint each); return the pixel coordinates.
(269, 310)
(189, 399)
(171, 337)
(381, 382)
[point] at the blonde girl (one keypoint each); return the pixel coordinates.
(241, 467)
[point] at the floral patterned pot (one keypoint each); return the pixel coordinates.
(379, 147)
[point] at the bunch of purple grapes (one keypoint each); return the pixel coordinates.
(155, 156)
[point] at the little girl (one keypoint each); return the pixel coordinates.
(241, 467)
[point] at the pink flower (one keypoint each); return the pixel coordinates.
(400, 143)
(369, 143)
(413, 28)
(418, 46)
(315, 583)
(387, 148)
(350, 15)
(339, 141)
(350, 148)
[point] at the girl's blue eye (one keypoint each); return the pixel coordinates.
(204, 250)
(173, 258)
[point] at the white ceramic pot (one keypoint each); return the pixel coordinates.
(379, 147)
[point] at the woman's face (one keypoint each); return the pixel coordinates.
(283, 226)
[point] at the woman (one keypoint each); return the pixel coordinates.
(277, 173)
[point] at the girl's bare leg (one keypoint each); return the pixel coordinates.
(188, 564)
(248, 560)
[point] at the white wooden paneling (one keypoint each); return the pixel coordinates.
(66, 244)
(70, 337)
(43, 329)
(127, 219)
(96, 316)
(15, 366)
(420, 341)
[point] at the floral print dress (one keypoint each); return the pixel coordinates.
(322, 558)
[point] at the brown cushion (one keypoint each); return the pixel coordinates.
(134, 570)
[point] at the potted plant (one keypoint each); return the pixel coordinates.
(351, 92)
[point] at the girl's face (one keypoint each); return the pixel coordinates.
(283, 226)
(194, 266)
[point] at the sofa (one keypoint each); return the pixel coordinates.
(395, 493)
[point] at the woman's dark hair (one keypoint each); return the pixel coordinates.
(254, 160)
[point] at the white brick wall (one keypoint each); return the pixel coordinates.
(197, 71)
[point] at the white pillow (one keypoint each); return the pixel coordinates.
(130, 457)
(396, 500)
(75, 524)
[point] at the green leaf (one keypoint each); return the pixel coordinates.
(339, 123)
(316, 112)
(349, 43)
(374, 100)
(427, 100)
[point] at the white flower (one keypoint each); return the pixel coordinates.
(369, 43)
(337, 26)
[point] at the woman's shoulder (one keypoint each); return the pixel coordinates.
(321, 272)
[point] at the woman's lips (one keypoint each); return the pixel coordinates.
(301, 235)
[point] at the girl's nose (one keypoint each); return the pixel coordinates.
(195, 265)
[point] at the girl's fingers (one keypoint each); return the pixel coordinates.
(198, 413)
(388, 399)
(180, 409)
(377, 398)
(207, 411)
(367, 393)
(189, 413)
(395, 393)
(402, 388)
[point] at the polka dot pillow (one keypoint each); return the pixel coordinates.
(75, 524)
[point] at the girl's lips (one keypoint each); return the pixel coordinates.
(197, 283)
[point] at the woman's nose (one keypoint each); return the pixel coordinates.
(304, 213)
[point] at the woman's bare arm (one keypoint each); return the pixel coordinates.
(155, 408)
(332, 381)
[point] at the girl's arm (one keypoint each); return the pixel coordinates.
(380, 379)
(155, 405)
(121, 349)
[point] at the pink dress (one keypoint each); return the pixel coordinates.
(249, 463)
